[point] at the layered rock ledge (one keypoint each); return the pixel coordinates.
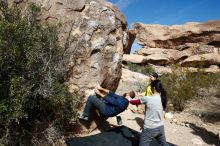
(192, 45)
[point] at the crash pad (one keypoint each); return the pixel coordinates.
(119, 136)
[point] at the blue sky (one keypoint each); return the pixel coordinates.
(168, 12)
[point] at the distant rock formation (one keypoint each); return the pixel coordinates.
(189, 45)
(95, 34)
(169, 37)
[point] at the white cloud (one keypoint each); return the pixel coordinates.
(122, 4)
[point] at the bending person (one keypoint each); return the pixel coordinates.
(109, 104)
(153, 127)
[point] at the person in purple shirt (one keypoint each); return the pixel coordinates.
(107, 102)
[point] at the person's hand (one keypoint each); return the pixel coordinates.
(97, 91)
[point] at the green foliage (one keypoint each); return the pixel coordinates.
(183, 85)
(31, 75)
(145, 69)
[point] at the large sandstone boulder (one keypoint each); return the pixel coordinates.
(94, 33)
(186, 50)
(132, 37)
(139, 59)
(132, 81)
(189, 45)
(161, 70)
(134, 58)
(160, 36)
(202, 60)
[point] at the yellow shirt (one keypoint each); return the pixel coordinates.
(148, 91)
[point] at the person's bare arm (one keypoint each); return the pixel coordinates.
(99, 93)
(102, 89)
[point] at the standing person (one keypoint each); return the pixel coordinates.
(153, 127)
(109, 104)
(154, 81)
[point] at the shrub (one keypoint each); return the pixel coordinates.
(144, 69)
(183, 85)
(32, 91)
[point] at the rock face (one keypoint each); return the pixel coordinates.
(132, 81)
(189, 45)
(203, 59)
(95, 35)
(132, 36)
(159, 36)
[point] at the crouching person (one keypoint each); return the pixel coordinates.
(107, 103)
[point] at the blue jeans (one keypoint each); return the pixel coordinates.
(147, 135)
(94, 101)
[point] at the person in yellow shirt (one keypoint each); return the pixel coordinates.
(155, 82)
(148, 92)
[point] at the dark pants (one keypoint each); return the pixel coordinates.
(96, 102)
(148, 135)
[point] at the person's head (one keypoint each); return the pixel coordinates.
(130, 94)
(153, 76)
(155, 87)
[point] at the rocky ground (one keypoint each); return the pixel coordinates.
(198, 124)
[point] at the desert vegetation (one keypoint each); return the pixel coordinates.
(144, 69)
(33, 97)
(182, 85)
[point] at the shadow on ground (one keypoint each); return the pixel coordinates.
(211, 117)
(139, 121)
(207, 136)
(118, 136)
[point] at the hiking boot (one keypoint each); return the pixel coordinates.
(82, 117)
